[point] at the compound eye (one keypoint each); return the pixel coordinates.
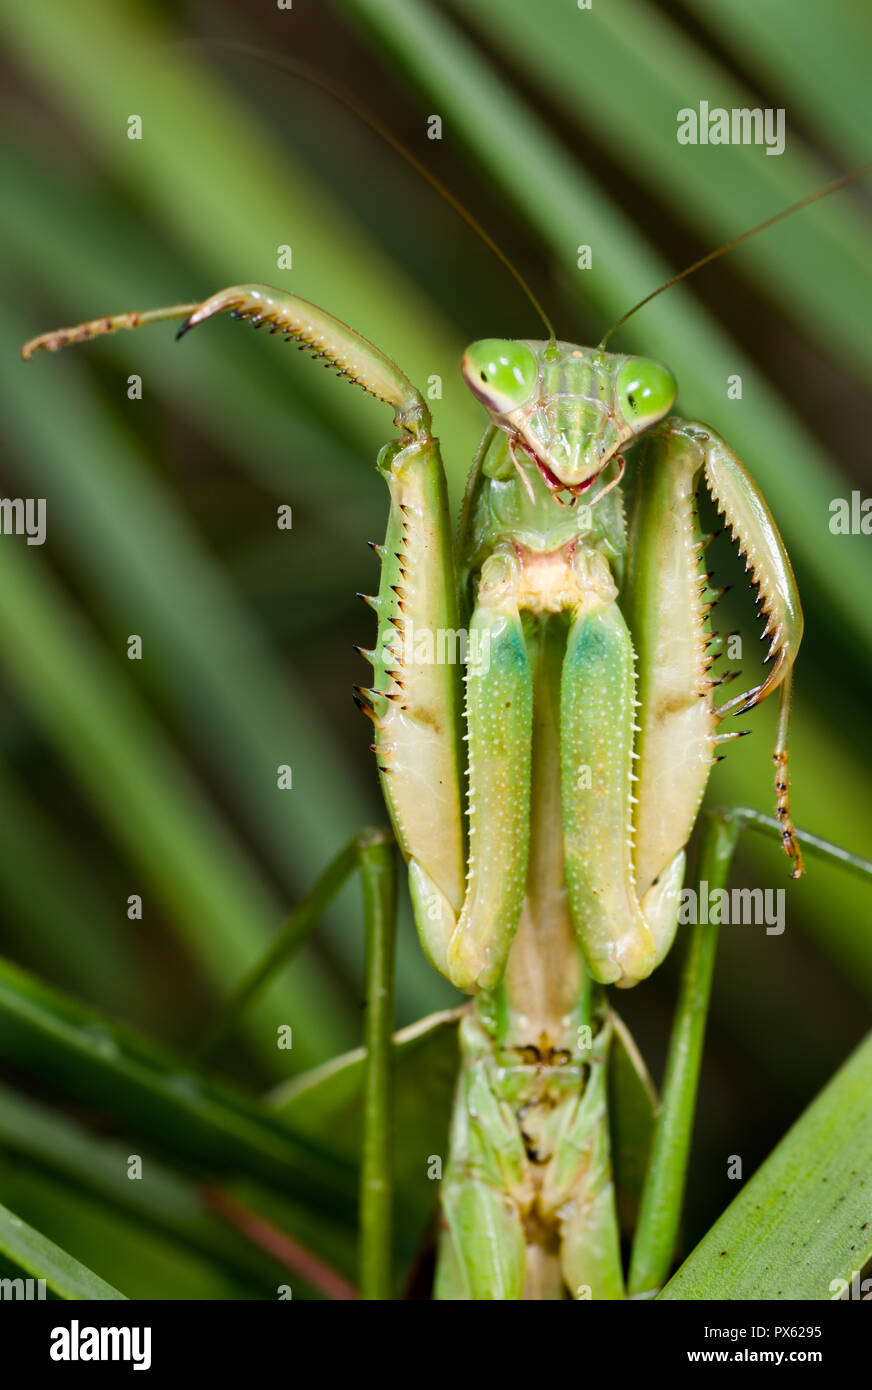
(501, 372)
(645, 390)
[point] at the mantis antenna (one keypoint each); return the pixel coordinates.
(333, 89)
(815, 197)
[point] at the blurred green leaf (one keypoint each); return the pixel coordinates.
(154, 1094)
(821, 63)
(56, 910)
(165, 1202)
(37, 1258)
(158, 814)
(632, 46)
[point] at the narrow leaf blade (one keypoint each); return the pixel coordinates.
(804, 1220)
(39, 1258)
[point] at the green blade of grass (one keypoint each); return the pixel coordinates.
(804, 1220)
(813, 844)
(632, 1108)
(36, 1257)
(127, 1254)
(199, 645)
(328, 1104)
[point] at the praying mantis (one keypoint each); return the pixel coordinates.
(542, 800)
(544, 793)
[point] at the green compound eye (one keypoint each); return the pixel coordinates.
(645, 390)
(502, 373)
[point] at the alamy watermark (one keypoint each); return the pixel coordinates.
(23, 516)
(78, 1343)
(754, 907)
(741, 125)
(855, 1288)
(446, 646)
(26, 1289)
(851, 516)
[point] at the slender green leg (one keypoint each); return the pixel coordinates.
(378, 875)
(291, 936)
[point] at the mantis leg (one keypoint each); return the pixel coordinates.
(465, 924)
(413, 703)
(667, 607)
(414, 700)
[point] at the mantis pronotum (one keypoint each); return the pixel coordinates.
(543, 802)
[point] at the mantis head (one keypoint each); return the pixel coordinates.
(571, 409)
